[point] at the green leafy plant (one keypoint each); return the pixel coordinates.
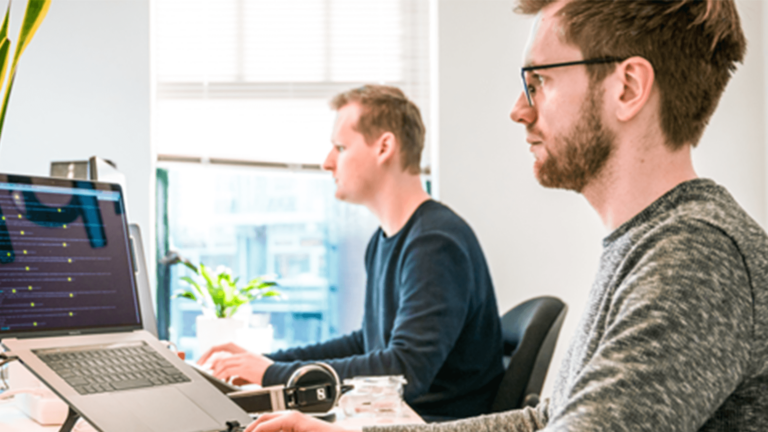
(218, 292)
(33, 17)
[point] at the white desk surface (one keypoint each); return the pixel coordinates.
(13, 420)
(407, 416)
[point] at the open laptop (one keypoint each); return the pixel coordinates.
(149, 322)
(70, 311)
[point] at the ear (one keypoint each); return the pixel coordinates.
(386, 148)
(635, 78)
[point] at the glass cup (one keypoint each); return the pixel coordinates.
(380, 396)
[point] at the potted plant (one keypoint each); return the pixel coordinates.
(221, 296)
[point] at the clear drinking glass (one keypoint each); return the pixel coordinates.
(380, 396)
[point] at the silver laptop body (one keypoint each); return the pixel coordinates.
(67, 290)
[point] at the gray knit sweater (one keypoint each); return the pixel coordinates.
(675, 333)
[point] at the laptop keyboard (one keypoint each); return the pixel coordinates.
(107, 368)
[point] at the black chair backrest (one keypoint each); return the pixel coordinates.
(530, 332)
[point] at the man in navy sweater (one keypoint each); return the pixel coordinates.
(430, 308)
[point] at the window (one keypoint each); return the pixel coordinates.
(241, 124)
(269, 222)
(251, 79)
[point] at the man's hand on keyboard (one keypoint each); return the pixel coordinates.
(230, 360)
(217, 350)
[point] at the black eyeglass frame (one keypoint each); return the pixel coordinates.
(525, 69)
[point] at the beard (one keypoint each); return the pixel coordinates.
(582, 153)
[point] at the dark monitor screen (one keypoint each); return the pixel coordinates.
(65, 264)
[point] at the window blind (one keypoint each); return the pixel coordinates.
(250, 80)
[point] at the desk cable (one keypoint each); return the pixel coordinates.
(6, 357)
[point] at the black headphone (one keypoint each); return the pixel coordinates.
(313, 388)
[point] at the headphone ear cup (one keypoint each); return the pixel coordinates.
(331, 371)
(315, 387)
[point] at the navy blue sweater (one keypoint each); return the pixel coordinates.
(430, 315)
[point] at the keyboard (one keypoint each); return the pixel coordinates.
(107, 368)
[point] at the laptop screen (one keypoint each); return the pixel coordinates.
(65, 263)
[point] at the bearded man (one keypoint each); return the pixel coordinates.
(675, 333)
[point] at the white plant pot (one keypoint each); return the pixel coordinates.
(216, 331)
(256, 339)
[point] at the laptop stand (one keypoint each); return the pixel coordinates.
(69, 423)
(73, 416)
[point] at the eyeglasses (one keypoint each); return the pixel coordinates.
(531, 87)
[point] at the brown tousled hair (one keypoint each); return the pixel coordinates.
(693, 46)
(387, 109)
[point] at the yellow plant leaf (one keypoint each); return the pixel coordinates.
(33, 17)
(5, 46)
(4, 30)
(5, 54)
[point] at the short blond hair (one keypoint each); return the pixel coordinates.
(387, 109)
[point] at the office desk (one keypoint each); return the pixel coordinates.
(408, 416)
(13, 420)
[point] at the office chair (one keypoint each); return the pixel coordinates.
(530, 332)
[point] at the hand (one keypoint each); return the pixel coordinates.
(248, 367)
(229, 348)
(290, 422)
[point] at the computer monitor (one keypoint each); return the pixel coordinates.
(103, 170)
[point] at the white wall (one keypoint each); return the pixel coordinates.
(540, 241)
(82, 89)
(733, 149)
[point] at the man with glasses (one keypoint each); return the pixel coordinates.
(675, 333)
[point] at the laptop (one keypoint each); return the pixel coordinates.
(70, 311)
(149, 322)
